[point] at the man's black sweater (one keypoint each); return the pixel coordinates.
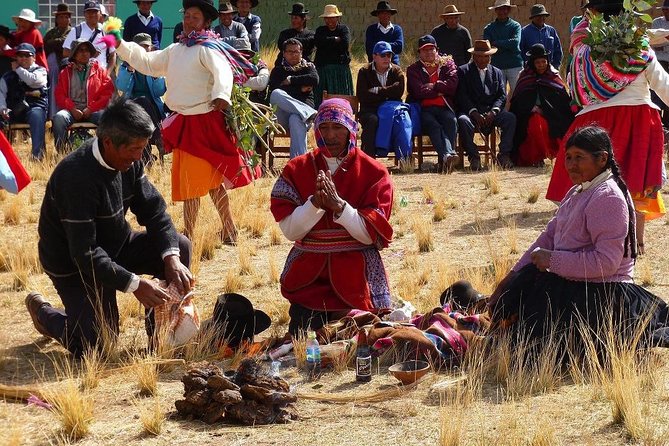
(306, 76)
(82, 225)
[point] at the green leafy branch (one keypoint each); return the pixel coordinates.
(623, 38)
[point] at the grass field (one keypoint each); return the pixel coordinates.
(454, 226)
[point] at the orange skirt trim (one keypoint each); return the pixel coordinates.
(192, 177)
(650, 207)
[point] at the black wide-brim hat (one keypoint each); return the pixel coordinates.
(383, 7)
(299, 10)
(462, 293)
(236, 319)
(4, 32)
(254, 3)
(78, 44)
(538, 51)
(207, 6)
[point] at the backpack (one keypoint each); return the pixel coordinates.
(77, 33)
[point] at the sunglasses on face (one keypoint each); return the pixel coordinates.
(19, 55)
(384, 55)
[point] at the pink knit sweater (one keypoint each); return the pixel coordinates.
(587, 236)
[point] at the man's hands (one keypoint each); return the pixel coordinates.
(77, 114)
(483, 121)
(326, 196)
(86, 113)
(176, 272)
(150, 294)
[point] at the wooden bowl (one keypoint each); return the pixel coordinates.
(409, 371)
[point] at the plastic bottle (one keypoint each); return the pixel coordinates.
(313, 355)
(363, 359)
(275, 369)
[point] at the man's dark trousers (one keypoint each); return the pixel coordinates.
(91, 307)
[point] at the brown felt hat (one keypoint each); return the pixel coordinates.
(450, 10)
(482, 47)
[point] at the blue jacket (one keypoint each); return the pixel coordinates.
(473, 95)
(125, 81)
(547, 36)
(395, 38)
(134, 26)
(253, 24)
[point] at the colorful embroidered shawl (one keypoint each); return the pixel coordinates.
(593, 82)
(242, 69)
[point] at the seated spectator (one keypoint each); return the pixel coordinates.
(298, 30)
(538, 32)
(662, 54)
(53, 45)
(384, 31)
(147, 91)
(143, 22)
(87, 246)
(481, 99)
(251, 22)
(6, 52)
(378, 82)
(432, 82)
(83, 90)
(24, 97)
(291, 86)
(542, 108)
(504, 34)
(229, 30)
(27, 31)
(581, 267)
(452, 38)
(339, 222)
(258, 83)
(91, 30)
(333, 60)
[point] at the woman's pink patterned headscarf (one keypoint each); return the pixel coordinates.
(339, 111)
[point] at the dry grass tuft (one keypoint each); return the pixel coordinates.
(14, 210)
(204, 346)
(256, 223)
(3, 195)
(439, 211)
(424, 237)
(533, 196)
(232, 283)
(273, 269)
(428, 195)
(491, 182)
(91, 367)
(244, 253)
(151, 416)
(147, 378)
(544, 436)
(645, 274)
(72, 406)
(300, 350)
(512, 237)
(275, 235)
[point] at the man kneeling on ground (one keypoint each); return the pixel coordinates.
(87, 247)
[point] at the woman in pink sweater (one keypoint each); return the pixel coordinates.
(582, 263)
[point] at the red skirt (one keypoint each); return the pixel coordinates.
(638, 143)
(538, 144)
(208, 138)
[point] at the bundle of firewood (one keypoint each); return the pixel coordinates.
(251, 396)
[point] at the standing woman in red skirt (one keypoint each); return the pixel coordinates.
(616, 97)
(200, 71)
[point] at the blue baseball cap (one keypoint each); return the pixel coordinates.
(25, 48)
(382, 48)
(426, 40)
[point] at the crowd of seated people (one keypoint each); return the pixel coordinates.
(455, 86)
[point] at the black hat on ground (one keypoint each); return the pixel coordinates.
(236, 320)
(299, 10)
(4, 32)
(462, 293)
(207, 6)
(383, 7)
(254, 3)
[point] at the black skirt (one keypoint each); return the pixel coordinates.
(538, 303)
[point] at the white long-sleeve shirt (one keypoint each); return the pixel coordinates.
(195, 75)
(304, 218)
(637, 92)
(35, 77)
(258, 82)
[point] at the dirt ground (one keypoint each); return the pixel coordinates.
(490, 218)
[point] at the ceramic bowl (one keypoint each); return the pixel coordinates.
(409, 371)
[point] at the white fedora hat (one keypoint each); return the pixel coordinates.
(27, 14)
(500, 3)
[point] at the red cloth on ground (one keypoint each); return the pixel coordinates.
(33, 37)
(538, 144)
(638, 143)
(330, 280)
(207, 136)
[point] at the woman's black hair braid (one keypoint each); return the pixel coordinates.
(630, 240)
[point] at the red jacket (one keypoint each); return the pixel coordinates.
(99, 88)
(33, 37)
